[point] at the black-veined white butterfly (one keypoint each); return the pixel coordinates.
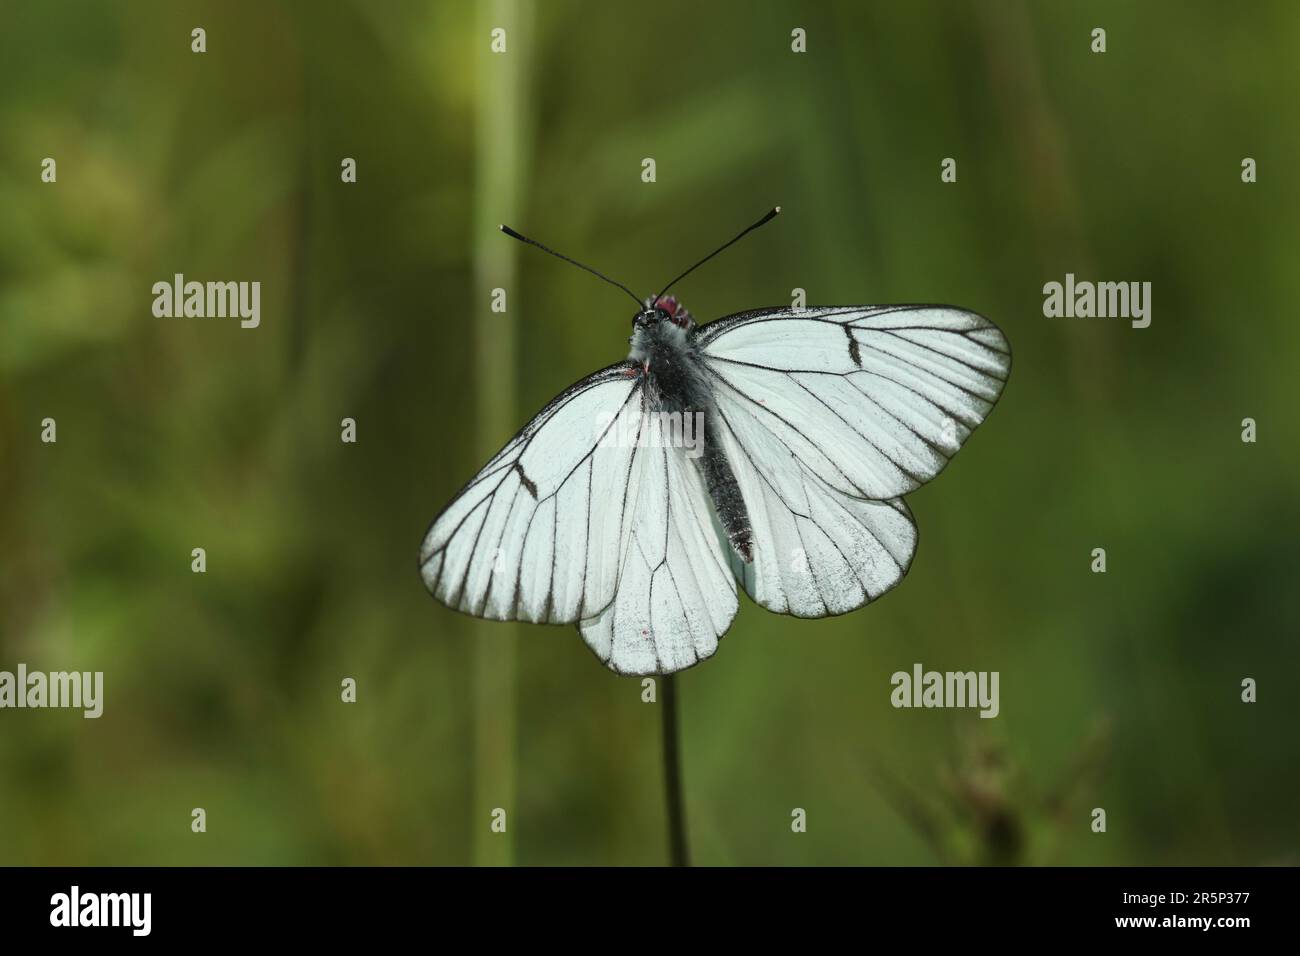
(816, 422)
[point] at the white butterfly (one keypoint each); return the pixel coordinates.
(816, 422)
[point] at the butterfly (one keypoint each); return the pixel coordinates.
(815, 423)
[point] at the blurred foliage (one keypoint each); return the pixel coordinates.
(222, 690)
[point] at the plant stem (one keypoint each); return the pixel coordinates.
(502, 143)
(677, 849)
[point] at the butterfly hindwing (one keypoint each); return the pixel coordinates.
(816, 550)
(676, 595)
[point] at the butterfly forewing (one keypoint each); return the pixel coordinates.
(874, 400)
(536, 535)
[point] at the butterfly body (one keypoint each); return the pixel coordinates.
(665, 353)
(816, 422)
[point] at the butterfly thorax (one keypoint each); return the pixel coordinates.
(664, 354)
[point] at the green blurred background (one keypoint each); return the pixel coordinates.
(222, 690)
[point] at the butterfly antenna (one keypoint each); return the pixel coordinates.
(772, 214)
(533, 242)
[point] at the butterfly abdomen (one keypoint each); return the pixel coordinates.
(728, 502)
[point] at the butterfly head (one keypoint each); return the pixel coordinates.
(665, 308)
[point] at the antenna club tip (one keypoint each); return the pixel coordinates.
(501, 226)
(776, 210)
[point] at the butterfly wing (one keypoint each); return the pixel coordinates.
(536, 534)
(676, 595)
(816, 550)
(828, 417)
(875, 400)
